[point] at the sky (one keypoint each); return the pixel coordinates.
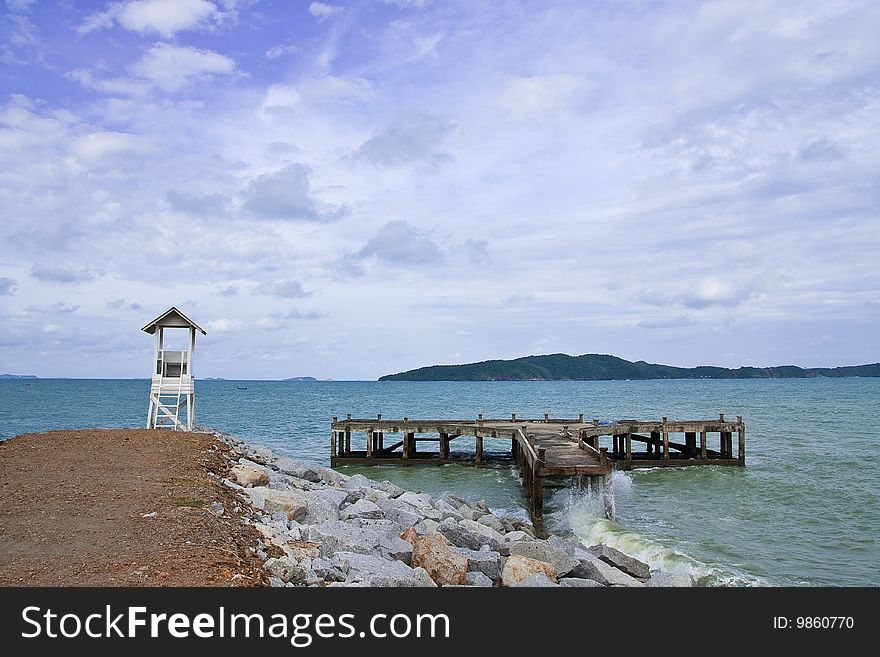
(350, 189)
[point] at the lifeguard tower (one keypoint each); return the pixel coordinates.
(172, 389)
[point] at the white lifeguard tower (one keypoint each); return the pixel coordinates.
(172, 389)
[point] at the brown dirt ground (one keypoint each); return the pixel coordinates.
(72, 507)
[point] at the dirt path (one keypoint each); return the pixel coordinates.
(76, 509)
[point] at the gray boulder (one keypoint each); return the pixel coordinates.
(297, 469)
(544, 551)
(536, 580)
(418, 500)
(487, 562)
(671, 579)
(393, 490)
(591, 567)
(338, 536)
(577, 582)
(477, 578)
(286, 569)
(361, 509)
(631, 566)
(447, 510)
(459, 536)
(492, 521)
(358, 481)
(370, 570)
(327, 570)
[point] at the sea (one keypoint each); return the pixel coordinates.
(805, 511)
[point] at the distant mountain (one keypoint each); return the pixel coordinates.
(17, 376)
(301, 378)
(600, 367)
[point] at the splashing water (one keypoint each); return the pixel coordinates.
(579, 513)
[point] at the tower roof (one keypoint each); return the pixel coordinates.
(172, 318)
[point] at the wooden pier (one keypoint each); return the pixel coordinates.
(540, 448)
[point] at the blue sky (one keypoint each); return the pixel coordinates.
(345, 190)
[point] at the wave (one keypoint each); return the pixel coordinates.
(578, 513)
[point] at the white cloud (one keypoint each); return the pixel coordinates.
(171, 68)
(285, 288)
(412, 137)
(119, 85)
(7, 286)
(55, 273)
(99, 147)
(401, 244)
(162, 17)
(223, 325)
(281, 50)
(323, 11)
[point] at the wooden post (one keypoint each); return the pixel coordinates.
(413, 448)
(405, 445)
(478, 449)
(347, 440)
(381, 440)
(629, 447)
(444, 446)
(690, 441)
(580, 418)
(703, 445)
(513, 417)
(665, 441)
(741, 454)
(546, 417)
(654, 445)
(607, 496)
(332, 448)
(370, 444)
(538, 497)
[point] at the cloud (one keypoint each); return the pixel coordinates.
(231, 291)
(209, 205)
(665, 322)
(298, 314)
(713, 291)
(120, 304)
(223, 325)
(286, 194)
(7, 286)
(101, 147)
(281, 50)
(322, 11)
(62, 273)
(285, 288)
(399, 243)
(117, 86)
(823, 148)
(412, 137)
(538, 96)
(172, 68)
(162, 17)
(58, 308)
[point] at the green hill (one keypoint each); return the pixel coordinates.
(600, 367)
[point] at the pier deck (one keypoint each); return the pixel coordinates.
(541, 448)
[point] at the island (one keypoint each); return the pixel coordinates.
(603, 367)
(301, 378)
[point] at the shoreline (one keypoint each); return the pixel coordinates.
(136, 507)
(340, 530)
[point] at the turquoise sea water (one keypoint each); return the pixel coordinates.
(805, 510)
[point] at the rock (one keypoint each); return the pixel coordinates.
(480, 505)
(492, 538)
(629, 565)
(286, 569)
(260, 455)
(591, 567)
(426, 526)
(423, 579)
(334, 496)
(302, 550)
(476, 578)
(281, 516)
(320, 508)
(358, 481)
(392, 489)
(361, 509)
(337, 536)
(418, 500)
(248, 477)
(492, 521)
(675, 578)
(216, 508)
(297, 469)
(536, 580)
(294, 533)
(231, 484)
(275, 582)
(447, 510)
(577, 582)
(433, 553)
(330, 476)
(487, 562)
(370, 570)
(327, 570)
(393, 547)
(518, 568)
(375, 495)
(451, 499)
(517, 535)
(270, 500)
(402, 514)
(544, 551)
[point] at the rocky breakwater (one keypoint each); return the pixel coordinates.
(320, 527)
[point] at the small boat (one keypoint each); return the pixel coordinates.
(241, 387)
(27, 385)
